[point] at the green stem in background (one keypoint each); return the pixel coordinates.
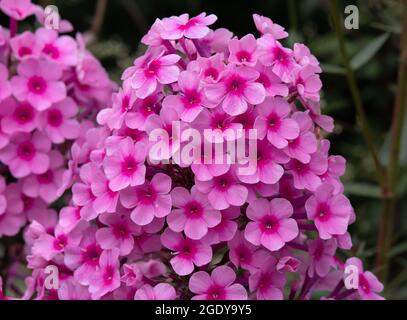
(99, 16)
(387, 218)
(356, 96)
(292, 15)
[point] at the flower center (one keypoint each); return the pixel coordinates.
(26, 151)
(51, 50)
(24, 51)
(243, 56)
(37, 85)
(55, 117)
(24, 113)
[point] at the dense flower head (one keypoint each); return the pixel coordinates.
(155, 214)
(40, 118)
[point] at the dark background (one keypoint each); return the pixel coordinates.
(125, 21)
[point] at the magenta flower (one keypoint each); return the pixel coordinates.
(193, 214)
(191, 100)
(271, 82)
(307, 83)
(272, 53)
(236, 90)
(57, 121)
(162, 291)
(82, 194)
(157, 68)
(107, 278)
(175, 28)
(126, 166)
(17, 9)
(272, 226)
(27, 154)
(267, 282)
(60, 49)
(46, 185)
(5, 88)
(148, 200)
(187, 252)
(105, 200)
(226, 229)
(25, 46)
(330, 212)
(243, 51)
(217, 286)
(38, 82)
(302, 147)
(274, 123)
(19, 117)
(368, 285)
(118, 233)
(210, 69)
(265, 25)
(322, 255)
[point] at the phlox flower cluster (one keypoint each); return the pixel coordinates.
(51, 88)
(142, 229)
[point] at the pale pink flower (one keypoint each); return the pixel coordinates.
(271, 82)
(210, 69)
(307, 83)
(19, 117)
(38, 81)
(272, 226)
(217, 286)
(226, 229)
(322, 254)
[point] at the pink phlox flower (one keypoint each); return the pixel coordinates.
(27, 154)
(267, 282)
(162, 291)
(175, 28)
(272, 53)
(193, 213)
(25, 46)
(226, 229)
(46, 185)
(60, 49)
(369, 286)
(307, 82)
(126, 166)
(271, 224)
(322, 255)
(82, 194)
(149, 200)
(38, 81)
(336, 167)
(118, 232)
(107, 277)
(132, 275)
(17, 9)
(236, 89)
(70, 290)
(302, 147)
(190, 100)
(274, 122)
(18, 117)
(271, 82)
(58, 122)
(243, 51)
(217, 286)
(330, 212)
(265, 25)
(187, 252)
(210, 69)
(223, 191)
(5, 87)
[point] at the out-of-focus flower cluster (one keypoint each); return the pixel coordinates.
(51, 88)
(163, 225)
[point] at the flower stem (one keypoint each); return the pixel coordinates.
(387, 216)
(356, 96)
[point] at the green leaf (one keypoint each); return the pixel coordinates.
(397, 250)
(368, 52)
(333, 69)
(218, 256)
(363, 190)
